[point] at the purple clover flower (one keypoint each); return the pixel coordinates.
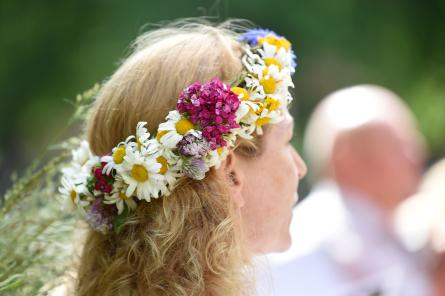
(213, 107)
(100, 216)
(195, 168)
(193, 145)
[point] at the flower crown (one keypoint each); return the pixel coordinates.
(195, 137)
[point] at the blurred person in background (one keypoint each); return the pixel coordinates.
(366, 155)
(420, 222)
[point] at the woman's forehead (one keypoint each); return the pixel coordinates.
(287, 123)
(282, 128)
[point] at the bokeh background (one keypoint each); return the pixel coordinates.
(52, 50)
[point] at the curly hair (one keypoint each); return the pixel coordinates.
(189, 243)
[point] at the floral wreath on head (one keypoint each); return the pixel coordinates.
(195, 137)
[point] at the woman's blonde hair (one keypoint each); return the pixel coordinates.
(189, 243)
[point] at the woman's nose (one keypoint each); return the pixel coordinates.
(301, 165)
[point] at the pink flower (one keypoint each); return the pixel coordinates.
(98, 173)
(102, 182)
(103, 186)
(212, 107)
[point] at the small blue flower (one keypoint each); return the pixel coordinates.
(251, 36)
(293, 61)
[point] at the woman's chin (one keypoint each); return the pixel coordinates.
(281, 245)
(284, 245)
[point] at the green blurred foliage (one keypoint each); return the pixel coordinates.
(51, 50)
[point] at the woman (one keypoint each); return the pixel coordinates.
(206, 182)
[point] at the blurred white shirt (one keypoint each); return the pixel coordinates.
(341, 247)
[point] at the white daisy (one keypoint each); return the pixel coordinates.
(74, 194)
(118, 196)
(245, 131)
(174, 129)
(82, 163)
(171, 165)
(249, 99)
(250, 60)
(215, 157)
(142, 174)
(249, 112)
(142, 134)
(270, 79)
(116, 158)
(282, 58)
(144, 144)
(230, 139)
(263, 119)
(82, 154)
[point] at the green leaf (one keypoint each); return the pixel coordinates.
(11, 282)
(118, 222)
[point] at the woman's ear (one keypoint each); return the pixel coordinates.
(230, 170)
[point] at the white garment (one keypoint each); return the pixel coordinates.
(341, 247)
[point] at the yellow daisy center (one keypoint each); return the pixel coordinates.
(220, 150)
(163, 161)
(123, 196)
(160, 134)
(118, 155)
(183, 126)
(259, 110)
(241, 92)
(273, 61)
(272, 104)
(73, 195)
(276, 41)
(262, 121)
(139, 173)
(269, 84)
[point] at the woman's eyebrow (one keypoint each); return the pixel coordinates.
(287, 128)
(290, 123)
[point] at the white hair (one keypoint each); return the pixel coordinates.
(348, 109)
